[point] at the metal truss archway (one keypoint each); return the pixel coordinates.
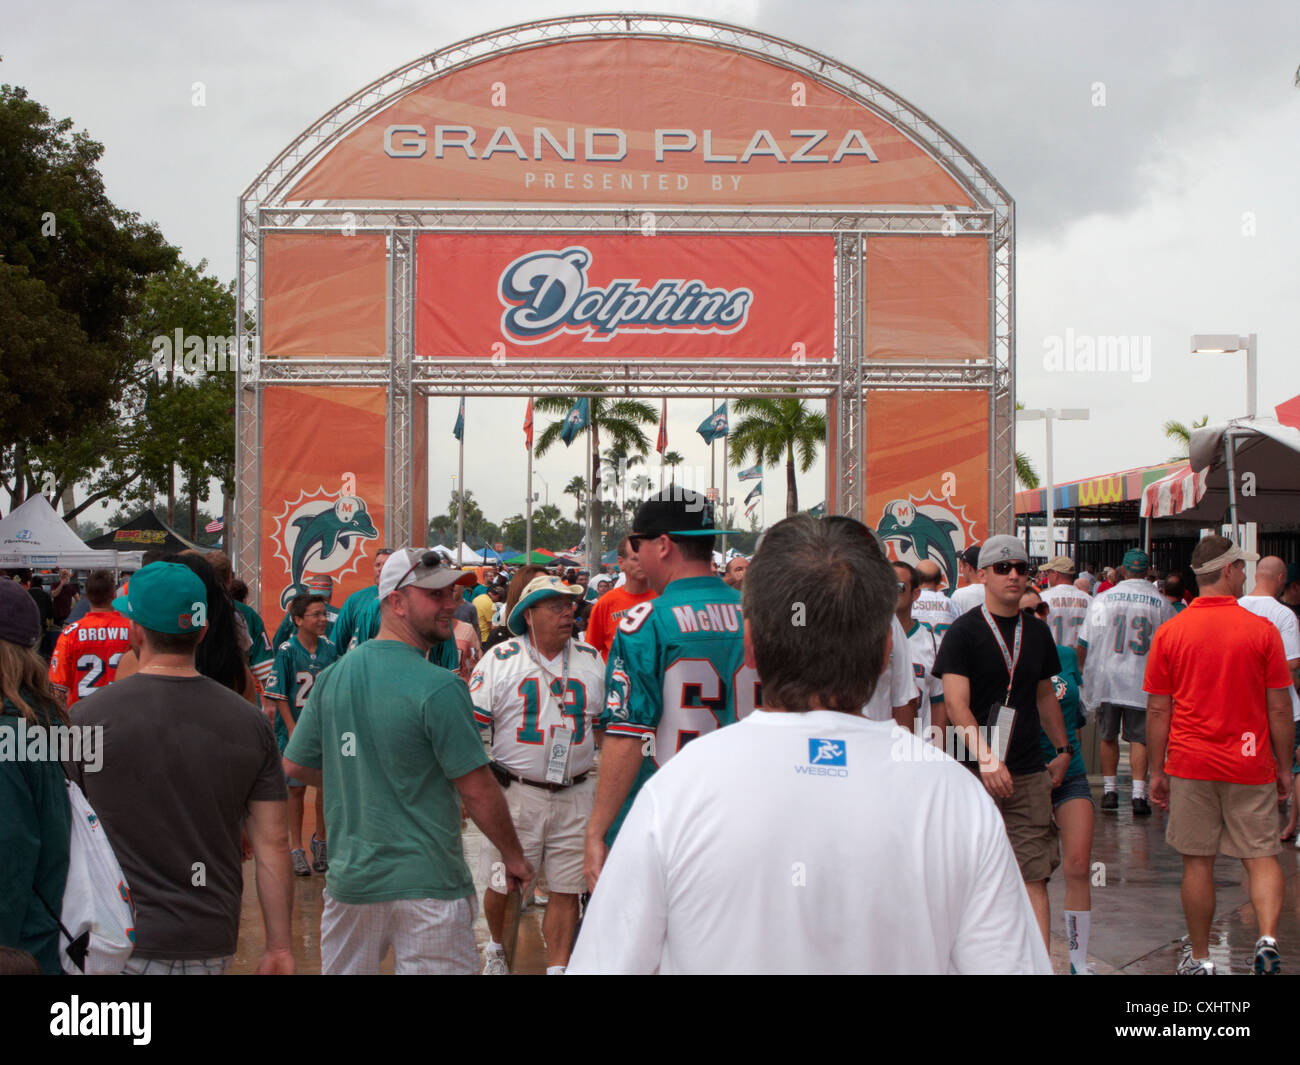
(841, 381)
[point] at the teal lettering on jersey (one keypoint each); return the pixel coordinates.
(676, 671)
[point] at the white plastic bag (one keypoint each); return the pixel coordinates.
(97, 925)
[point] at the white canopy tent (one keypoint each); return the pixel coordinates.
(33, 535)
(1260, 475)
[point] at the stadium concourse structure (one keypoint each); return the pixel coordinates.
(1152, 506)
(623, 204)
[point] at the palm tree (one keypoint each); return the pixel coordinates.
(577, 487)
(619, 419)
(672, 459)
(771, 431)
(1026, 475)
(1183, 435)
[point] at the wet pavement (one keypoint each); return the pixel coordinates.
(1137, 916)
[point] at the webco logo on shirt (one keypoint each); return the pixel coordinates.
(826, 758)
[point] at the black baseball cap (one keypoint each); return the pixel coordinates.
(676, 512)
(971, 556)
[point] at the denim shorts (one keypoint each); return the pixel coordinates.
(1076, 787)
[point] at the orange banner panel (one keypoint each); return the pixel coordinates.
(629, 120)
(324, 294)
(602, 297)
(927, 297)
(322, 490)
(927, 474)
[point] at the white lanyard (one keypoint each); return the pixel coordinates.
(1008, 659)
(564, 677)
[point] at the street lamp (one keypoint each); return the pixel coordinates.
(1227, 344)
(1047, 414)
(546, 486)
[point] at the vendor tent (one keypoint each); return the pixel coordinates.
(33, 535)
(145, 532)
(1262, 458)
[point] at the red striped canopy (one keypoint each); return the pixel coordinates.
(1173, 493)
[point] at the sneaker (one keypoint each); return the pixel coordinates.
(541, 900)
(494, 963)
(1141, 808)
(300, 866)
(1267, 960)
(1190, 967)
(1110, 801)
(319, 855)
(1088, 970)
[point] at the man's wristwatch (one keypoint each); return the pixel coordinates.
(1067, 749)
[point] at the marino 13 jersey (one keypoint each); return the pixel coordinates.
(522, 698)
(1067, 607)
(676, 671)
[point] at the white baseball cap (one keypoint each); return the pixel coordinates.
(408, 567)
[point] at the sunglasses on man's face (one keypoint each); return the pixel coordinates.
(1003, 568)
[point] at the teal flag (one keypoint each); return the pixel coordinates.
(715, 425)
(578, 418)
(458, 431)
(819, 510)
(754, 473)
(754, 492)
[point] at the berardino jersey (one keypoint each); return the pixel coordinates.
(522, 698)
(1067, 607)
(677, 671)
(1117, 633)
(87, 654)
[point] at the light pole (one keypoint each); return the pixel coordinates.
(1047, 414)
(1227, 344)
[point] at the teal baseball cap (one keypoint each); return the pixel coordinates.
(165, 597)
(1136, 559)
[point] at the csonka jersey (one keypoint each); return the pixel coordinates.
(87, 654)
(676, 671)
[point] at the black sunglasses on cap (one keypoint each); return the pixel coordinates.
(430, 560)
(1003, 568)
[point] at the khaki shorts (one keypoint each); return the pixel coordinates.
(1028, 817)
(1208, 817)
(552, 828)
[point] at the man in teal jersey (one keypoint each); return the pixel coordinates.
(393, 739)
(298, 661)
(345, 623)
(321, 584)
(676, 668)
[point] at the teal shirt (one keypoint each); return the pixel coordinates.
(390, 732)
(35, 830)
(445, 654)
(673, 670)
(345, 624)
(294, 675)
(1066, 686)
(261, 652)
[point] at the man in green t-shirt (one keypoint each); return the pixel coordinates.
(392, 739)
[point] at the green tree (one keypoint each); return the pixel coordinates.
(777, 430)
(620, 420)
(577, 487)
(1182, 435)
(673, 459)
(1026, 475)
(73, 270)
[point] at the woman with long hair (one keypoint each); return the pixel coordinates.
(35, 819)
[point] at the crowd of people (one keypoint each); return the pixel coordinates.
(643, 742)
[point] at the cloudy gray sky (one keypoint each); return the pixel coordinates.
(1169, 210)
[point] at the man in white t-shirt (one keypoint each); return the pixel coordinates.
(1270, 582)
(1068, 605)
(923, 645)
(895, 697)
(926, 883)
(970, 596)
(932, 608)
(1113, 645)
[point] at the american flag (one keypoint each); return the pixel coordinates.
(215, 526)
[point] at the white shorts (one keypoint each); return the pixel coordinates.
(428, 936)
(552, 828)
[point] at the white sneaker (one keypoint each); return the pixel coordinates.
(1088, 970)
(494, 963)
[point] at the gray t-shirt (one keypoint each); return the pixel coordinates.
(182, 757)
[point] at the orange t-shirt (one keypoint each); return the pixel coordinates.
(86, 656)
(1216, 659)
(605, 614)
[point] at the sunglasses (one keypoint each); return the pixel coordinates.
(430, 560)
(1003, 568)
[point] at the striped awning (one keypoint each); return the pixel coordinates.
(1173, 494)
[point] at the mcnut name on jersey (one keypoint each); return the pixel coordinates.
(547, 293)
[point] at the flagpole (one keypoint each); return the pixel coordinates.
(528, 524)
(460, 501)
(725, 501)
(591, 468)
(713, 465)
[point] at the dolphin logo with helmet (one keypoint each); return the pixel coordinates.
(926, 528)
(320, 536)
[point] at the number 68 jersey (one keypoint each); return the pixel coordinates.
(677, 672)
(521, 697)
